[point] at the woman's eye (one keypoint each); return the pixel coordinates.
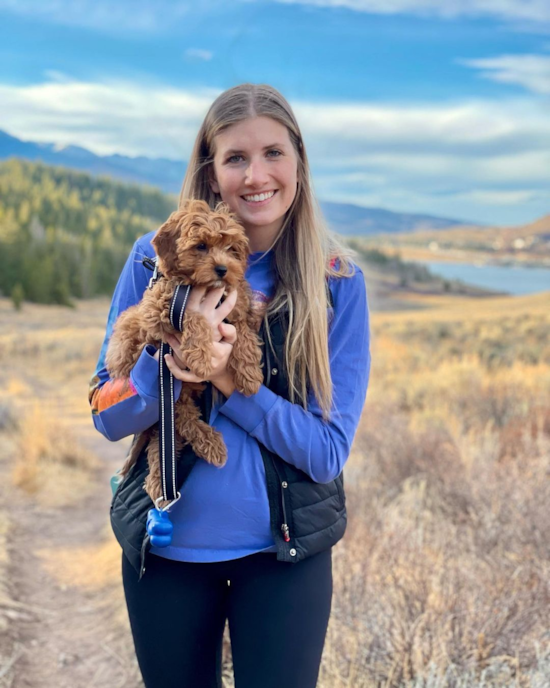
(274, 150)
(232, 158)
(201, 247)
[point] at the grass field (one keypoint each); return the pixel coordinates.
(443, 576)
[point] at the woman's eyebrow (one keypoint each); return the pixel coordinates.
(234, 151)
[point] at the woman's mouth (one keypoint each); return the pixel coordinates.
(259, 199)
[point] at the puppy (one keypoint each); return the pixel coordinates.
(201, 247)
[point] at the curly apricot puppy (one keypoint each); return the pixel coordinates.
(201, 247)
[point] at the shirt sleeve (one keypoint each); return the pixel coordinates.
(129, 406)
(301, 437)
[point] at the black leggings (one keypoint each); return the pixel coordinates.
(278, 615)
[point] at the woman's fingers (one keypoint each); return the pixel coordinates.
(179, 373)
(212, 298)
(228, 332)
(227, 306)
(175, 347)
(195, 298)
(178, 359)
(206, 302)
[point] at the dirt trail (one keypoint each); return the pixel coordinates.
(65, 636)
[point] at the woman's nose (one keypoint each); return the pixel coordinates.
(256, 173)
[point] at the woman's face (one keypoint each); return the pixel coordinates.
(255, 173)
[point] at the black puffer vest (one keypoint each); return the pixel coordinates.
(315, 513)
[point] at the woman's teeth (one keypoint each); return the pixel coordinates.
(259, 197)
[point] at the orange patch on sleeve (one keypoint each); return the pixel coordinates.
(112, 393)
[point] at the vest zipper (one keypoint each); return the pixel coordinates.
(284, 526)
(267, 362)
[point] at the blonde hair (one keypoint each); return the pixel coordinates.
(304, 248)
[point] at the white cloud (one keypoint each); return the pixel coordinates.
(102, 15)
(493, 197)
(530, 71)
(454, 159)
(516, 10)
(54, 75)
(109, 117)
(150, 18)
(475, 129)
(199, 54)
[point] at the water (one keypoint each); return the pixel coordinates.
(513, 280)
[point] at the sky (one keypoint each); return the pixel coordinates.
(439, 107)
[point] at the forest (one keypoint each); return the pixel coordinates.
(67, 234)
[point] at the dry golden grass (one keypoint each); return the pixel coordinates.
(442, 578)
(49, 462)
(90, 567)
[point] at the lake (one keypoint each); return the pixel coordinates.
(513, 280)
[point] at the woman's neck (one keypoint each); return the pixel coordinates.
(262, 238)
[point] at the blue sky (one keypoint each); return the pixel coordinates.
(432, 106)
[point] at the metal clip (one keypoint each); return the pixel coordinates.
(155, 274)
(168, 506)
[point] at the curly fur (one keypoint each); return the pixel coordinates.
(190, 245)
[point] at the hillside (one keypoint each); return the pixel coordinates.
(67, 234)
(525, 244)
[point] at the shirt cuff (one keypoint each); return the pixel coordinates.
(145, 375)
(249, 412)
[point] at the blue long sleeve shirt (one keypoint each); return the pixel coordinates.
(223, 513)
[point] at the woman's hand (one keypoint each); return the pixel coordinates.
(224, 335)
(205, 303)
(220, 376)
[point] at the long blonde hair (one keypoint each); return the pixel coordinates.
(304, 248)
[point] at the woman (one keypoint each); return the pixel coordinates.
(253, 540)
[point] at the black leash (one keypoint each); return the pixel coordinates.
(159, 525)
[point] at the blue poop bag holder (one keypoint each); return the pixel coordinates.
(159, 526)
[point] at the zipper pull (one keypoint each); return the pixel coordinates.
(286, 532)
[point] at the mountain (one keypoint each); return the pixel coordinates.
(358, 220)
(344, 218)
(160, 172)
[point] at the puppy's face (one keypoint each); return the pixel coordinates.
(203, 247)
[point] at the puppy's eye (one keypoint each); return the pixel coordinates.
(201, 247)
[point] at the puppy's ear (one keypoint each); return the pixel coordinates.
(165, 240)
(235, 236)
(241, 244)
(224, 209)
(196, 206)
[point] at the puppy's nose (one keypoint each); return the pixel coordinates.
(220, 270)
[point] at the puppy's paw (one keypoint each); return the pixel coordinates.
(198, 362)
(210, 446)
(248, 381)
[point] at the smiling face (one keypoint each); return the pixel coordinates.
(255, 172)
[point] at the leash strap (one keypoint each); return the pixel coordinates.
(167, 427)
